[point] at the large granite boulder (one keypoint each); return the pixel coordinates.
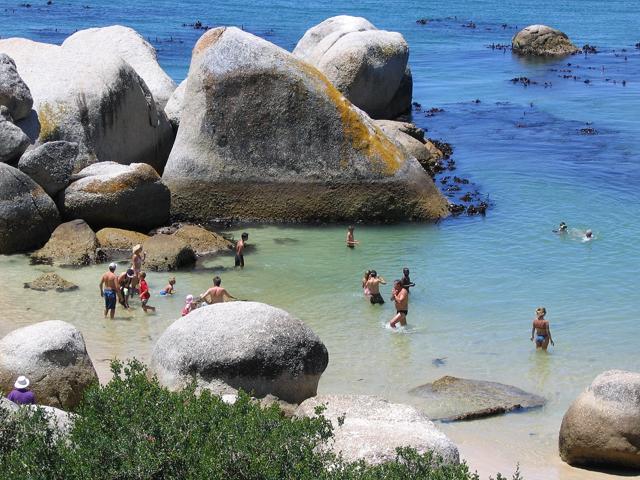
(542, 41)
(50, 165)
(72, 244)
(94, 98)
(53, 356)
(602, 426)
(454, 399)
(367, 65)
(168, 253)
(13, 141)
(50, 281)
(108, 194)
(14, 93)
(373, 428)
(248, 345)
(265, 136)
(132, 47)
(173, 109)
(203, 241)
(28, 215)
(119, 239)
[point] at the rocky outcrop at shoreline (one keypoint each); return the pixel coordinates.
(368, 66)
(248, 345)
(50, 281)
(72, 244)
(542, 41)
(601, 428)
(50, 165)
(311, 155)
(14, 93)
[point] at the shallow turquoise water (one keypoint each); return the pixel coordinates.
(479, 279)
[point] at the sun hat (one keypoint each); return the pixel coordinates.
(131, 273)
(22, 382)
(136, 248)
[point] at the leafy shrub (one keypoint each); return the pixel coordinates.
(132, 428)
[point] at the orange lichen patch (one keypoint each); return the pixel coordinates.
(368, 139)
(124, 181)
(208, 39)
(50, 118)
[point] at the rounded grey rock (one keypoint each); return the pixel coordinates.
(13, 142)
(14, 93)
(71, 244)
(50, 165)
(541, 40)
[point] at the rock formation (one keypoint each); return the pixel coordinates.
(367, 65)
(373, 428)
(108, 194)
(14, 93)
(51, 281)
(118, 239)
(265, 136)
(71, 244)
(168, 253)
(50, 165)
(28, 214)
(53, 356)
(203, 241)
(542, 41)
(602, 426)
(248, 345)
(13, 141)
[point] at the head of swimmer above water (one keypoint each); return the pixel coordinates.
(541, 312)
(562, 227)
(244, 236)
(217, 281)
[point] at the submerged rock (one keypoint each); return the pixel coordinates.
(168, 253)
(51, 281)
(203, 241)
(463, 399)
(71, 244)
(265, 136)
(132, 47)
(541, 40)
(602, 426)
(50, 165)
(258, 348)
(14, 93)
(91, 97)
(53, 356)
(28, 214)
(108, 194)
(373, 428)
(367, 65)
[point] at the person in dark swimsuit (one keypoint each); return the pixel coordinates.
(541, 330)
(373, 284)
(400, 296)
(239, 260)
(124, 282)
(406, 280)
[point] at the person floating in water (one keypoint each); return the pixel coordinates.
(109, 290)
(541, 330)
(588, 236)
(169, 290)
(373, 284)
(400, 296)
(239, 261)
(216, 294)
(144, 293)
(365, 289)
(351, 242)
(406, 280)
(562, 228)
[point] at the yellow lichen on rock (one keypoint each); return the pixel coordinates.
(50, 118)
(129, 180)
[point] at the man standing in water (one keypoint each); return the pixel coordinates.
(541, 330)
(240, 250)
(373, 284)
(400, 296)
(351, 241)
(216, 293)
(109, 290)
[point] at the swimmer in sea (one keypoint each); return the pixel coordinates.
(400, 296)
(406, 280)
(351, 242)
(541, 330)
(239, 260)
(562, 228)
(373, 284)
(588, 236)
(216, 294)
(169, 289)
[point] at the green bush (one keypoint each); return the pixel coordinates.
(132, 428)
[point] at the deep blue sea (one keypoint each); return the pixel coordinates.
(479, 278)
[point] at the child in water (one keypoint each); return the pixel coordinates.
(189, 305)
(169, 290)
(144, 293)
(541, 330)
(406, 280)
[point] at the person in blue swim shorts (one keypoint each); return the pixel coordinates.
(541, 330)
(109, 290)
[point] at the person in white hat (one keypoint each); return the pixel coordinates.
(21, 393)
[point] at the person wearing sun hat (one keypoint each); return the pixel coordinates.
(21, 393)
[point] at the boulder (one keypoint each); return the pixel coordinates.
(59, 420)
(13, 141)
(28, 216)
(14, 93)
(256, 347)
(71, 244)
(412, 139)
(602, 426)
(455, 399)
(53, 356)
(94, 98)
(168, 253)
(203, 241)
(108, 194)
(542, 41)
(50, 165)
(118, 239)
(265, 136)
(373, 428)
(134, 49)
(367, 65)
(173, 109)
(51, 281)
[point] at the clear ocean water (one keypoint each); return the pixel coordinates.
(478, 279)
